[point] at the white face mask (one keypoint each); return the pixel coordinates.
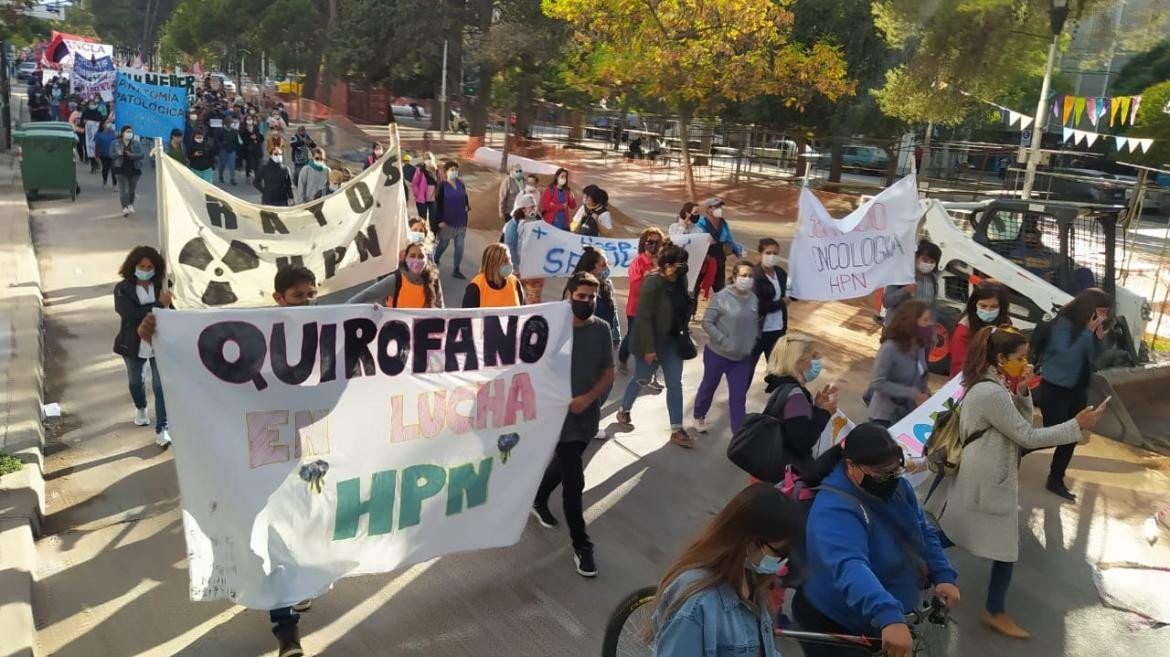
(562, 181)
(278, 158)
(744, 283)
(717, 212)
(128, 136)
(925, 267)
(771, 259)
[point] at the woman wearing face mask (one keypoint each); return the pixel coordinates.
(771, 288)
(141, 290)
(732, 326)
(273, 180)
(687, 216)
(982, 509)
(127, 154)
(925, 285)
(251, 146)
(594, 262)
(645, 262)
(452, 207)
(716, 226)
(898, 383)
(419, 233)
(1066, 365)
(376, 152)
(415, 284)
(424, 185)
(711, 598)
(524, 211)
(558, 200)
(796, 362)
(593, 215)
(494, 286)
(201, 155)
(229, 146)
(658, 327)
(511, 187)
(313, 181)
(988, 305)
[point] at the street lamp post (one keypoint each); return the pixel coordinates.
(1057, 14)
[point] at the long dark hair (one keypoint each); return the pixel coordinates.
(1083, 305)
(903, 324)
(986, 346)
(126, 271)
(556, 176)
(429, 274)
(587, 263)
(988, 289)
(759, 514)
(685, 212)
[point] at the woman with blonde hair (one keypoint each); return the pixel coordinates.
(795, 363)
(713, 599)
(495, 286)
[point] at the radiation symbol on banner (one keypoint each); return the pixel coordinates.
(239, 257)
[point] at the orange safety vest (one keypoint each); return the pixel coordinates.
(407, 295)
(490, 297)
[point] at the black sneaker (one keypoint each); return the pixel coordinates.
(288, 642)
(544, 516)
(584, 561)
(458, 274)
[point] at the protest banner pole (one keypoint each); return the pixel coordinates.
(443, 99)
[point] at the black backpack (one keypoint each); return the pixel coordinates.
(758, 447)
(1038, 341)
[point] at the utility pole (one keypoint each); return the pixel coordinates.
(1057, 16)
(443, 99)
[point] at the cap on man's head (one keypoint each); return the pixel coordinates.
(713, 202)
(871, 444)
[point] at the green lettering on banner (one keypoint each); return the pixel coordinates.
(380, 506)
(418, 483)
(464, 480)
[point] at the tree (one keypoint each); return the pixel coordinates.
(699, 54)
(213, 29)
(134, 24)
(1143, 70)
(1153, 121)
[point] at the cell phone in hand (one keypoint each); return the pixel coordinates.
(1106, 401)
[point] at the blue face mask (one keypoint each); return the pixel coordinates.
(415, 236)
(813, 371)
(769, 565)
(505, 270)
(143, 275)
(987, 316)
(603, 275)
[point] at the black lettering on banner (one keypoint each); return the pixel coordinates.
(293, 374)
(533, 339)
(359, 333)
(397, 333)
(251, 344)
(367, 244)
(332, 259)
(220, 214)
(271, 224)
(315, 210)
(426, 340)
(461, 341)
(284, 261)
(391, 170)
(359, 197)
(499, 344)
(328, 352)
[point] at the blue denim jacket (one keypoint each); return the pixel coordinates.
(1068, 361)
(714, 622)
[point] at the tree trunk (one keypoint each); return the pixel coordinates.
(477, 117)
(507, 145)
(836, 160)
(684, 136)
(925, 166)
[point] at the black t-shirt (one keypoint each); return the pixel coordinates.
(592, 355)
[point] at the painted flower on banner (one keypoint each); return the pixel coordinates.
(506, 442)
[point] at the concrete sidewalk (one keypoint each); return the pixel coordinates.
(22, 494)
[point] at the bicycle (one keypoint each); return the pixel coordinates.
(928, 626)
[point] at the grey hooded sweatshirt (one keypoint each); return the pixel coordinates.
(732, 323)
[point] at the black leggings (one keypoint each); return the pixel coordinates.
(108, 171)
(1058, 405)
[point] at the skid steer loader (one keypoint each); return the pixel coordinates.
(1046, 252)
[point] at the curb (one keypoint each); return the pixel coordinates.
(22, 494)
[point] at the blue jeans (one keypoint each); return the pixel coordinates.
(446, 235)
(136, 372)
(997, 586)
(672, 368)
(283, 618)
(227, 159)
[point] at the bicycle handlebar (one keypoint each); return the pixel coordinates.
(934, 612)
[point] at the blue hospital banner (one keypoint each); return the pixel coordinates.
(152, 110)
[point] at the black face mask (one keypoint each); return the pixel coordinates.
(880, 489)
(582, 309)
(651, 247)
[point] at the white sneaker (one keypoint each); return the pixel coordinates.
(163, 439)
(140, 417)
(701, 424)
(126, 212)
(130, 208)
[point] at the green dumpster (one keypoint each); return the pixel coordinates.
(47, 160)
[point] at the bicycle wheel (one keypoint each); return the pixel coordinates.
(935, 640)
(623, 634)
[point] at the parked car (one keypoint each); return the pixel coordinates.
(25, 71)
(862, 156)
(1085, 185)
(223, 82)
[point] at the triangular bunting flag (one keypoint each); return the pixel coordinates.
(1102, 107)
(1137, 102)
(1123, 113)
(1114, 103)
(1056, 104)
(1012, 118)
(1069, 101)
(1145, 144)
(1078, 110)
(1065, 133)
(1091, 105)
(1025, 121)
(1121, 142)
(1091, 138)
